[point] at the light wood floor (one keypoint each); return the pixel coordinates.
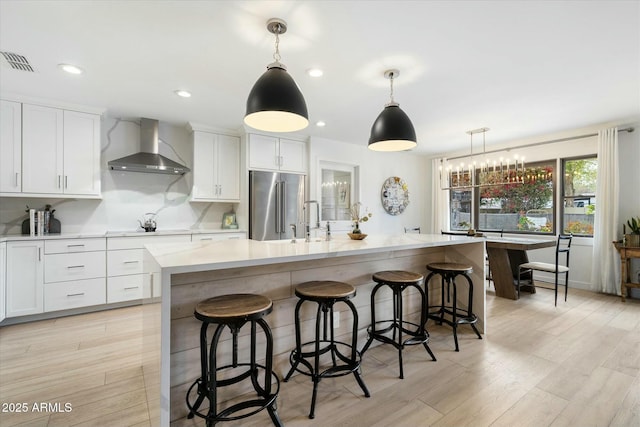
(574, 365)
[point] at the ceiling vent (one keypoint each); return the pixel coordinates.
(17, 62)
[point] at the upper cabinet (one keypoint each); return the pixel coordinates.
(216, 167)
(10, 147)
(280, 154)
(55, 152)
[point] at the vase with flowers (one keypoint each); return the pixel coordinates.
(358, 215)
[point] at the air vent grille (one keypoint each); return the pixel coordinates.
(17, 62)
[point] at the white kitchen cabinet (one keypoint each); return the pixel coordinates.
(60, 152)
(3, 280)
(218, 236)
(126, 279)
(74, 273)
(216, 167)
(10, 147)
(25, 278)
(280, 154)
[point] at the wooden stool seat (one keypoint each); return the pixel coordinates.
(449, 267)
(397, 277)
(323, 289)
(229, 308)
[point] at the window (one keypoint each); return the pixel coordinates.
(526, 207)
(579, 190)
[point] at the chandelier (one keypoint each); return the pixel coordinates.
(481, 172)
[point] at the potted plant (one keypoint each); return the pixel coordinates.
(357, 218)
(633, 239)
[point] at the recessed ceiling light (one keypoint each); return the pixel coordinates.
(71, 69)
(183, 93)
(320, 124)
(315, 72)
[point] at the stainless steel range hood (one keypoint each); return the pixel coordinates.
(148, 160)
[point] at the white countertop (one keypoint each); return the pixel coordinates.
(204, 256)
(123, 233)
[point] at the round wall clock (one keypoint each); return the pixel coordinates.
(394, 195)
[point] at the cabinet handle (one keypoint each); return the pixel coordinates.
(79, 294)
(66, 178)
(131, 287)
(131, 262)
(59, 178)
(75, 266)
(76, 246)
(39, 255)
(206, 238)
(16, 179)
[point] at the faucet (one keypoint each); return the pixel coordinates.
(308, 218)
(294, 229)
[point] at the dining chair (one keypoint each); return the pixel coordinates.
(562, 247)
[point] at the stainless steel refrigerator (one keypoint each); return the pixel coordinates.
(275, 202)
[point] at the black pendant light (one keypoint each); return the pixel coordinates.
(275, 103)
(392, 130)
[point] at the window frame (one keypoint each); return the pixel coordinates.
(562, 197)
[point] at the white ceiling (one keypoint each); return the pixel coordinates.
(521, 68)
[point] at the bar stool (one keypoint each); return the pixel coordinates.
(448, 271)
(233, 312)
(344, 357)
(398, 281)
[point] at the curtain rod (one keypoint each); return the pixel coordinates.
(535, 144)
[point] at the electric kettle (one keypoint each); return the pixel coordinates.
(148, 222)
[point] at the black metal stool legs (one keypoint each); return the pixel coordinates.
(458, 316)
(397, 326)
(325, 342)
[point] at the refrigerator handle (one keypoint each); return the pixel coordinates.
(283, 200)
(278, 207)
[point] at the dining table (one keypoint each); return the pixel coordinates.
(505, 255)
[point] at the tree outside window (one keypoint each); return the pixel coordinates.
(579, 187)
(520, 207)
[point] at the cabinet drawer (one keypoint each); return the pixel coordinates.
(127, 288)
(114, 243)
(83, 265)
(125, 261)
(64, 246)
(74, 294)
(218, 236)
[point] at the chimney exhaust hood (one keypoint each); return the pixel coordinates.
(148, 160)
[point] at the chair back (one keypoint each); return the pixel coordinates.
(563, 247)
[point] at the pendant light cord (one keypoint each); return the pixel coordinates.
(391, 92)
(276, 54)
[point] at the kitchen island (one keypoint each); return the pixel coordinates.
(192, 272)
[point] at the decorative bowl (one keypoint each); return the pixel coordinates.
(357, 236)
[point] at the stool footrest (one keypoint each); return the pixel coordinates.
(462, 317)
(266, 401)
(335, 370)
(415, 337)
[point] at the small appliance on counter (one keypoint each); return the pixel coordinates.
(148, 222)
(41, 222)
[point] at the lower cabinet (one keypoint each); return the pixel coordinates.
(126, 280)
(73, 294)
(25, 278)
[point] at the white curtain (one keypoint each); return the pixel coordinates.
(605, 269)
(439, 201)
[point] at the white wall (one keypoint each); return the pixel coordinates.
(375, 168)
(127, 196)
